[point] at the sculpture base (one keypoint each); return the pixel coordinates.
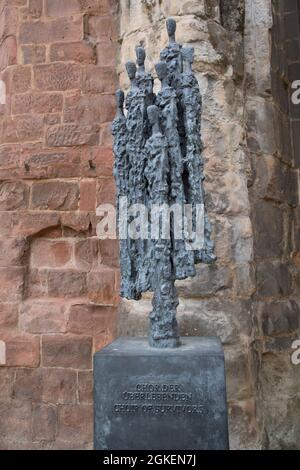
(160, 399)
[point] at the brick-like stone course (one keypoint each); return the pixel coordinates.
(54, 154)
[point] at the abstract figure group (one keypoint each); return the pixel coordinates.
(158, 162)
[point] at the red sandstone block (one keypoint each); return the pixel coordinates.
(13, 251)
(69, 135)
(101, 287)
(97, 161)
(56, 386)
(37, 103)
(44, 421)
(86, 254)
(50, 163)
(52, 119)
(28, 384)
(61, 29)
(23, 351)
(43, 317)
(21, 79)
(87, 195)
(75, 423)
(67, 351)
(6, 383)
(106, 54)
(11, 284)
(66, 283)
(35, 8)
(28, 223)
(18, 3)
(109, 252)
(22, 129)
(50, 253)
(13, 195)
(6, 223)
(98, 79)
(8, 318)
(106, 191)
(85, 387)
(59, 386)
(58, 76)
(9, 21)
(90, 109)
(103, 28)
(82, 52)
(79, 222)
(56, 8)
(8, 52)
(15, 421)
(34, 54)
(36, 283)
(9, 159)
(91, 319)
(55, 195)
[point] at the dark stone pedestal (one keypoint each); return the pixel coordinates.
(151, 399)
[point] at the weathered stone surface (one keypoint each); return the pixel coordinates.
(67, 351)
(209, 281)
(58, 76)
(60, 29)
(23, 350)
(34, 54)
(43, 317)
(44, 423)
(75, 423)
(51, 253)
(69, 135)
(66, 283)
(273, 279)
(75, 51)
(37, 103)
(48, 385)
(281, 317)
(13, 251)
(8, 316)
(55, 196)
(268, 232)
(85, 387)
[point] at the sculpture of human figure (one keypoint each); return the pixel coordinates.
(163, 149)
(144, 79)
(191, 102)
(183, 258)
(135, 143)
(121, 174)
(163, 323)
(172, 54)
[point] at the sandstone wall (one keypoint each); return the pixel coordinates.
(58, 292)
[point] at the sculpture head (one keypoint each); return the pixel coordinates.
(161, 70)
(188, 54)
(153, 114)
(131, 70)
(140, 56)
(120, 98)
(171, 28)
